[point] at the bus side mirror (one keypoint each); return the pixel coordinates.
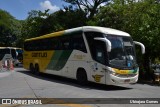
(16, 53)
(142, 46)
(107, 42)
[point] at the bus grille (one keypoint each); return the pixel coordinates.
(126, 75)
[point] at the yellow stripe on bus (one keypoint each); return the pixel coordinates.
(60, 33)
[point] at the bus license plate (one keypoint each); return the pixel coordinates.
(127, 80)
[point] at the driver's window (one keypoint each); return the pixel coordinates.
(97, 48)
(99, 51)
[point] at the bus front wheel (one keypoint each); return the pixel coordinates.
(82, 77)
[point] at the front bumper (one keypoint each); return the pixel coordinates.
(113, 80)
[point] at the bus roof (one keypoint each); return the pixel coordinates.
(105, 30)
(83, 29)
(10, 48)
(4, 47)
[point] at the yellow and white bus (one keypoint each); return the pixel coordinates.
(88, 53)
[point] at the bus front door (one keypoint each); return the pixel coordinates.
(98, 65)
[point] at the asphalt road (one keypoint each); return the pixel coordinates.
(22, 84)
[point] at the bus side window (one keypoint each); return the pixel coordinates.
(66, 43)
(27, 46)
(78, 43)
(55, 44)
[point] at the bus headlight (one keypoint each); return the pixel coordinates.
(112, 72)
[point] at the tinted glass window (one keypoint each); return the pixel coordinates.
(78, 43)
(66, 42)
(3, 52)
(13, 52)
(97, 48)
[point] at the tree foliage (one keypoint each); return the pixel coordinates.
(140, 19)
(33, 24)
(39, 23)
(89, 6)
(9, 29)
(68, 18)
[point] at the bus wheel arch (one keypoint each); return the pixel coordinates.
(81, 76)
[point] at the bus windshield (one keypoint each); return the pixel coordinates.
(122, 53)
(20, 54)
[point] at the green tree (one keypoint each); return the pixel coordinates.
(89, 6)
(39, 23)
(31, 27)
(68, 18)
(140, 19)
(9, 29)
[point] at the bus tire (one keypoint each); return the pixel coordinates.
(82, 77)
(31, 68)
(37, 69)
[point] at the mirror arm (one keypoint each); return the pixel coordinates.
(107, 42)
(142, 46)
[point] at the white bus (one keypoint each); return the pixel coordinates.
(19, 56)
(5, 59)
(16, 54)
(89, 53)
